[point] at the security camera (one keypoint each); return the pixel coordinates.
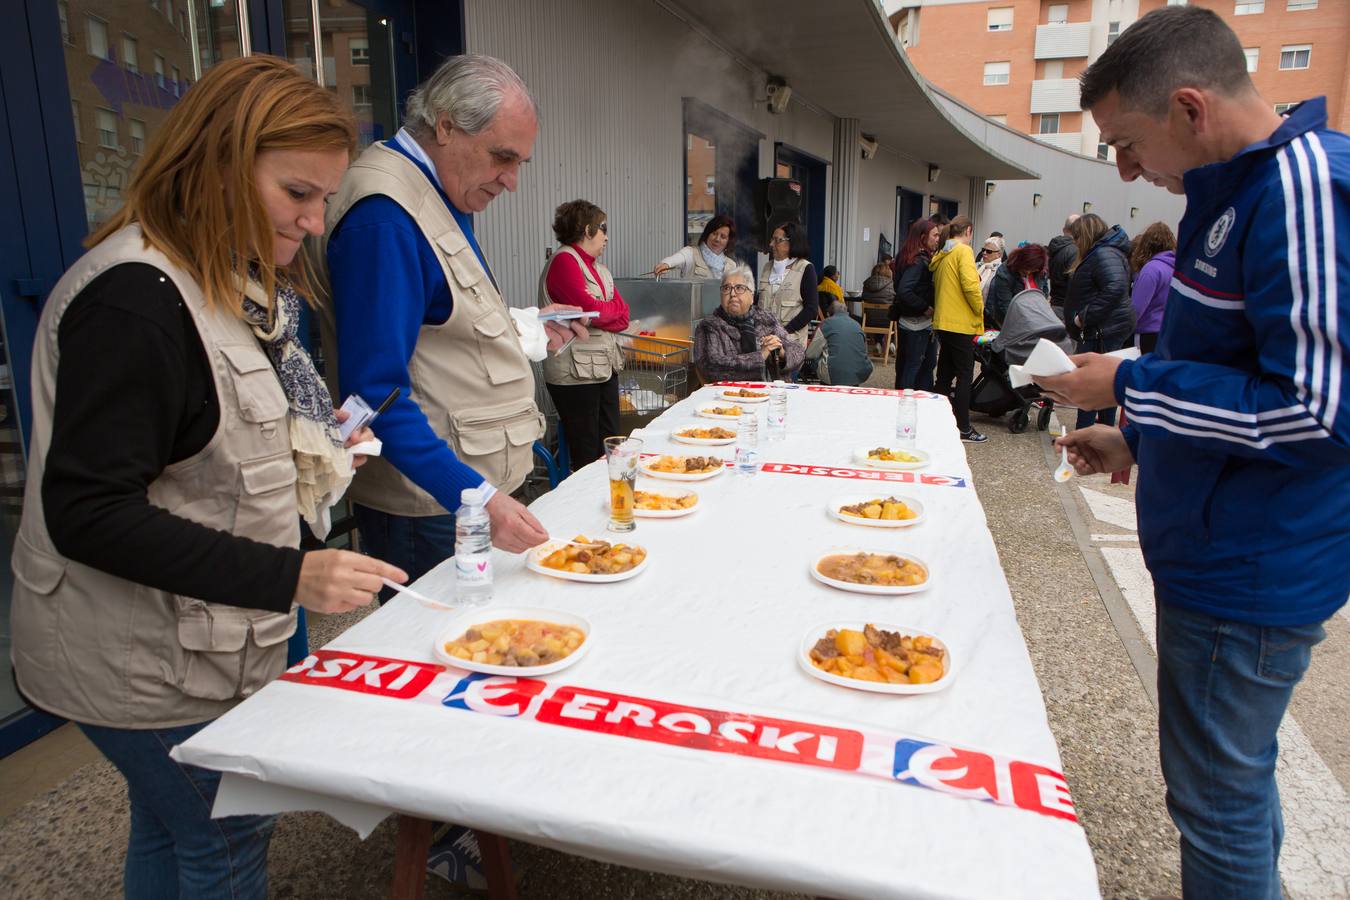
(779, 95)
(868, 145)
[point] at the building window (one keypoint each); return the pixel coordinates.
(177, 78)
(63, 10)
(360, 50)
(130, 56)
(997, 72)
(1001, 118)
(1054, 69)
(1253, 54)
(182, 23)
(1049, 123)
(106, 120)
(361, 95)
(1059, 14)
(159, 71)
(136, 135)
(1000, 19)
(1103, 150)
(710, 185)
(75, 113)
(1176, 2)
(1282, 108)
(1294, 5)
(1295, 56)
(1112, 32)
(1249, 7)
(96, 37)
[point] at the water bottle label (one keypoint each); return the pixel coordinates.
(473, 569)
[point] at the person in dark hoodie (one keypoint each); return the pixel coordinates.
(1097, 313)
(1025, 267)
(913, 308)
(1063, 253)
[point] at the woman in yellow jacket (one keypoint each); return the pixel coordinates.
(958, 315)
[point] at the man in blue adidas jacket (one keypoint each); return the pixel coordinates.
(1240, 421)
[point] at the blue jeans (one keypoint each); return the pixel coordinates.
(176, 849)
(1223, 688)
(416, 544)
(1106, 416)
(916, 357)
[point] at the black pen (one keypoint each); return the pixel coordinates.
(388, 401)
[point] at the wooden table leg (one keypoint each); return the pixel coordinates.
(410, 858)
(497, 866)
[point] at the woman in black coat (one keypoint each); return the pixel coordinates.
(1098, 313)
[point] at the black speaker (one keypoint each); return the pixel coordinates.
(777, 201)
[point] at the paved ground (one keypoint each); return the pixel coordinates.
(1071, 560)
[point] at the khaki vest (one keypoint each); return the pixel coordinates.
(101, 650)
(469, 375)
(700, 269)
(598, 357)
(784, 299)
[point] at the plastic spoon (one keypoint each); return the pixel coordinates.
(1065, 471)
(419, 597)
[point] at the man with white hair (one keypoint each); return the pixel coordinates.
(415, 307)
(1062, 252)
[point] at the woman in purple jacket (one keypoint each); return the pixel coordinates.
(1152, 262)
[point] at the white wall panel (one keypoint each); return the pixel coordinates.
(1054, 95)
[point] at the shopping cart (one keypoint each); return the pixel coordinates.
(655, 376)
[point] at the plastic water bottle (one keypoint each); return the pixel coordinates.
(907, 420)
(747, 444)
(473, 550)
(776, 429)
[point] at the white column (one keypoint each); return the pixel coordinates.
(844, 202)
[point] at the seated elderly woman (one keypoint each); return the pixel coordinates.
(734, 343)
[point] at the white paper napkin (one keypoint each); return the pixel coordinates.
(1048, 359)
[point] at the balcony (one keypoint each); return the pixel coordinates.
(1063, 41)
(1054, 95)
(1065, 140)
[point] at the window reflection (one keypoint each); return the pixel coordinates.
(358, 66)
(700, 202)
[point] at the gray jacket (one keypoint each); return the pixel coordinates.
(840, 344)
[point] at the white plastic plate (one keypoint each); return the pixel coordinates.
(871, 588)
(712, 442)
(661, 513)
(735, 399)
(861, 456)
(706, 410)
(483, 614)
(679, 476)
(815, 634)
(852, 499)
(532, 562)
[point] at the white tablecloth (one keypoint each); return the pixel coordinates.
(715, 621)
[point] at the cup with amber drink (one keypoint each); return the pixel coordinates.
(621, 455)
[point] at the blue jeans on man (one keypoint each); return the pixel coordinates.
(175, 848)
(416, 544)
(1223, 688)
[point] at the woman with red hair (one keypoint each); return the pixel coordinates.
(912, 309)
(1024, 269)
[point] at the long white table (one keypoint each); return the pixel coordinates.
(713, 624)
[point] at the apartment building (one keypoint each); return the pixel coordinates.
(1018, 61)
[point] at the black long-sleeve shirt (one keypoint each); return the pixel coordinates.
(134, 394)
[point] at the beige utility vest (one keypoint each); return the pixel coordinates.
(784, 299)
(101, 650)
(469, 375)
(595, 359)
(701, 269)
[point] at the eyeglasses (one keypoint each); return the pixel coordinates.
(778, 240)
(603, 226)
(736, 290)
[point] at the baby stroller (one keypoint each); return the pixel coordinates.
(1029, 318)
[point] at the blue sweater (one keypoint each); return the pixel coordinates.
(1240, 422)
(387, 284)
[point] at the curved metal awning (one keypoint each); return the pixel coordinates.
(842, 56)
